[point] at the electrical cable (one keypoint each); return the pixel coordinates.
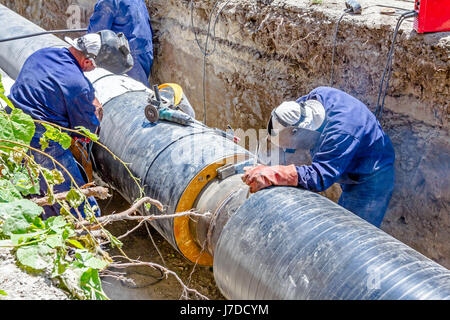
(42, 33)
(204, 50)
(124, 283)
(156, 280)
(334, 44)
(154, 243)
(388, 67)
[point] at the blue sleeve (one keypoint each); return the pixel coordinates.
(103, 17)
(334, 154)
(81, 111)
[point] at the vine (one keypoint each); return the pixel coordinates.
(67, 248)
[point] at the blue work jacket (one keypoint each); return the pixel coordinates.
(128, 16)
(52, 87)
(352, 147)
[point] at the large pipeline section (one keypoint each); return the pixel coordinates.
(280, 243)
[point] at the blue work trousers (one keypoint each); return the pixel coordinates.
(369, 200)
(65, 158)
(142, 67)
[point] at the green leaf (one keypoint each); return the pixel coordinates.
(18, 127)
(90, 282)
(54, 241)
(3, 293)
(8, 192)
(18, 215)
(24, 183)
(68, 232)
(75, 243)
(55, 134)
(44, 143)
(114, 241)
(25, 237)
(65, 141)
(37, 257)
(89, 134)
(75, 198)
(56, 224)
(87, 259)
(53, 177)
(89, 211)
(2, 94)
(60, 265)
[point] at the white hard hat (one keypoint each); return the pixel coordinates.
(310, 115)
(294, 125)
(90, 44)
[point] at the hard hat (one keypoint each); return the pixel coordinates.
(294, 125)
(107, 49)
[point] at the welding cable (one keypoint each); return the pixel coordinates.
(156, 280)
(204, 50)
(388, 67)
(42, 33)
(128, 273)
(334, 44)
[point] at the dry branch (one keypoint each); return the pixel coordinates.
(97, 192)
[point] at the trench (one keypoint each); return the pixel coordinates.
(245, 81)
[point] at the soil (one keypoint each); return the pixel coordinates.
(144, 284)
(138, 245)
(20, 285)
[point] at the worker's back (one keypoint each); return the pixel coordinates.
(370, 150)
(127, 16)
(52, 87)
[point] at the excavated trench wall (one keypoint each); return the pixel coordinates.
(271, 51)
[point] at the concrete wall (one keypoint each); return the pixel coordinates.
(270, 51)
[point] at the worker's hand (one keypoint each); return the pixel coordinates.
(261, 177)
(98, 109)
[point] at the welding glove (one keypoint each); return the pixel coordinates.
(261, 177)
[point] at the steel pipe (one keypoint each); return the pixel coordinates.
(281, 243)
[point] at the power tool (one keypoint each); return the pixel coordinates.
(162, 109)
(432, 15)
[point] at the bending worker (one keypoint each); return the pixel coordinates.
(347, 145)
(51, 87)
(131, 18)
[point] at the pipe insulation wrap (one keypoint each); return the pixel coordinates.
(281, 243)
(165, 156)
(19, 50)
(288, 243)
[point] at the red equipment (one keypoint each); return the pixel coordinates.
(433, 15)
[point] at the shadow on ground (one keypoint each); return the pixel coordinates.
(146, 286)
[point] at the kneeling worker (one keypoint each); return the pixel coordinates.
(51, 87)
(347, 145)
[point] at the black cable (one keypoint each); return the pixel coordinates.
(204, 50)
(156, 280)
(42, 33)
(388, 67)
(334, 44)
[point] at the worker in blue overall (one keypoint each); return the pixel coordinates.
(130, 17)
(347, 146)
(51, 87)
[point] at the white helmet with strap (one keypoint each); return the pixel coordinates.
(106, 49)
(294, 125)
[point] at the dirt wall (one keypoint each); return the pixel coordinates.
(270, 51)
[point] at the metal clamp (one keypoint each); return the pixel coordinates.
(232, 169)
